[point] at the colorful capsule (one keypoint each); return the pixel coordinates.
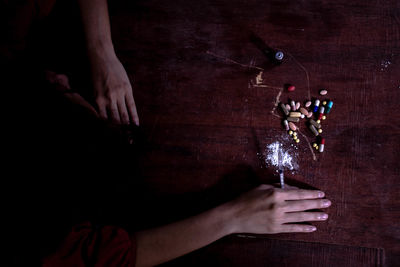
(316, 105)
(316, 124)
(321, 112)
(322, 145)
(328, 107)
(294, 114)
(313, 129)
(293, 119)
(284, 109)
(286, 124)
(293, 105)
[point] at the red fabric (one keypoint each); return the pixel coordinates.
(87, 245)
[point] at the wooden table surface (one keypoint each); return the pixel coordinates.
(207, 125)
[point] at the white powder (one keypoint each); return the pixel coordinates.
(272, 156)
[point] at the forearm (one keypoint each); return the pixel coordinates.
(162, 244)
(96, 23)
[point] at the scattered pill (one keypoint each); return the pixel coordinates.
(316, 124)
(323, 92)
(294, 137)
(309, 114)
(295, 133)
(313, 129)
(322, 145)
(297, 140)
(324, 103)
(294, 114)
(283, 107)
(323, 117)
(321, 112)
(315, 145)
(293, 105)
(319, 130)
(308, 103)
(290, 132)
(287, 107)
(302, 116)
(316, 105)
(328, 107)
(297, 105)
(304, 111)
(291, 88)
(293, 119)
(292, 126)
(286, 124)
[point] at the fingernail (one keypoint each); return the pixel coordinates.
(321, 194)
(326, 203)
(312, 228)
(323, 217)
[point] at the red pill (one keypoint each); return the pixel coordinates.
(291, 88)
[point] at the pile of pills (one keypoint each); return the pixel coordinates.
(313, 112)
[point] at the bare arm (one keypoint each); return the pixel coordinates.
(264, 210)
(112, 88)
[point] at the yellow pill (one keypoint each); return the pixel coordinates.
(314, 145)
(290, 132)
(297, 140)
(294, 137)
(318, 121)
(324, 103)
(324, 117)
(295, 133)
(320, 130)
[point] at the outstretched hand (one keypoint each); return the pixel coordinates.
(113, 91)
(269, 210)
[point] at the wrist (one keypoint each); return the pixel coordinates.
(101, 50)
(227, 213)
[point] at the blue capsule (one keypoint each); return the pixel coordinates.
(316, 105)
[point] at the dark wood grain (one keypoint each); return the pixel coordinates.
(205, 128)
(203, 120)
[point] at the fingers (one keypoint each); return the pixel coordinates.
(114, 112)
(297, 228)
(131, 106)
(293, 217)
(302, 205)
(123, 112)
(301, 194)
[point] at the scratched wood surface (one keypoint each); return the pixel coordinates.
(206, 124)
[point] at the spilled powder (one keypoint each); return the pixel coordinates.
(272, 156)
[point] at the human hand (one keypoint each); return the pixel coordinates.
(113, 90)
(269, 210)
